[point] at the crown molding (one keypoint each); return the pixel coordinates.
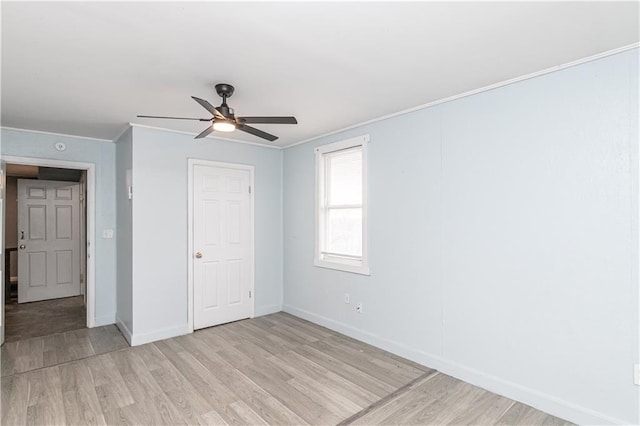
(64, 135)
(475, 91)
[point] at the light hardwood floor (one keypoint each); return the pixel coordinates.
(275, 369)
(46, 351)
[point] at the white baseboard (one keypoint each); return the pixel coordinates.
(548, 403)
(142, 338)
(104, 320)
(165, 333)
(124, 330)
(266, 310)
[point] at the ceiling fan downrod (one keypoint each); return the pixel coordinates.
(225, 91)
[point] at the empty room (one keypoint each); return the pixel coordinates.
(323, 213)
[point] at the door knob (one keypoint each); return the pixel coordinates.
(198, 255)
(22, 247)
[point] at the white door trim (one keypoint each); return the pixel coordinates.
(3, 204)
(91, 214)
(190, 249)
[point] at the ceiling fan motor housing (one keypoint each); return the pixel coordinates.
(226, 111)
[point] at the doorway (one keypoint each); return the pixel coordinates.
(221, 243)
(48, 282)
(45, 230)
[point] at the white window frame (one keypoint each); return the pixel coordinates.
(325, 260)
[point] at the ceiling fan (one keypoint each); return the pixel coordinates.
(224, 120)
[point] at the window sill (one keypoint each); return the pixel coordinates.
(362, 270)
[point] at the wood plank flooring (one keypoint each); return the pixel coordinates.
(38, 352)
(276, 370)
(33, 319)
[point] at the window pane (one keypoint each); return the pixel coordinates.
(344, 231)
(345, 177)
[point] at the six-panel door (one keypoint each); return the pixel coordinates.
(48, 240)
(222, 245)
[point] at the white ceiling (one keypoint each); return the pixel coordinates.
(88, 68)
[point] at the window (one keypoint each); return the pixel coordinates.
(341, 205)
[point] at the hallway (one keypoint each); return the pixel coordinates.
(35, 319)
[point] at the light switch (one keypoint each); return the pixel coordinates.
(107, 233)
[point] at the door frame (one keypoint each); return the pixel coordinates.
(90, 199)
(3, 203)
(191, 162)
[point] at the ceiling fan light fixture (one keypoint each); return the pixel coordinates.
(224, 125)
(224, 120)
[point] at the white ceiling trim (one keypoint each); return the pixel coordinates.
(15, 129)
(144, 126)
(473, 92)
(127, 127)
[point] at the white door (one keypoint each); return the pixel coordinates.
(222, 245)
(48, 240)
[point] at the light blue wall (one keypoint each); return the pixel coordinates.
(124, 161)
(160, 253)
(102, 154)
(503, 236)
(503, 239)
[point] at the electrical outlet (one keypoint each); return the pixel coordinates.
(347, 298)
(107, 233)
(359, 308)
(636, 374)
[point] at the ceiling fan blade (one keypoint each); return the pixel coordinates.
(205, 132)
(206, 105)
(175, 118)
(256, 132)
(268, 120)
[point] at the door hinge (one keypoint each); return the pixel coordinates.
(249, 294)
(249, 189)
